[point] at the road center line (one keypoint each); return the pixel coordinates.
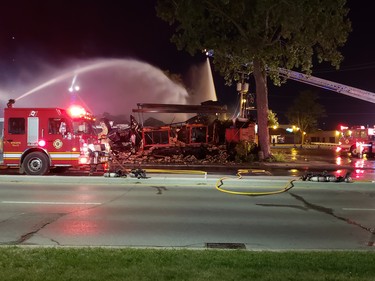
(358, 209)
(50, 203)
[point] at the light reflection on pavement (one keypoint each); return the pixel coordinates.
(302, 161)
(362, 169)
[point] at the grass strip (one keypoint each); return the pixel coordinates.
(19, 263)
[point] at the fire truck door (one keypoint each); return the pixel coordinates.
(32, 131)
(14, 139)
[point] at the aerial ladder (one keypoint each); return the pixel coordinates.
(328, 85)
(360, 140)
(351, 144)
(319, 82)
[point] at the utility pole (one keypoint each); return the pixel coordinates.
(242, 89)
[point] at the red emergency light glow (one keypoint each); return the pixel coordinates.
(343, 128)
(76, 111)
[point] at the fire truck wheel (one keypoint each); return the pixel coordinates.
(354, 151)
(36, 163)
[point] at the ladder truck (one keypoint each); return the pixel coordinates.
(357, 140)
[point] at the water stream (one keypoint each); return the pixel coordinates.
(116, 86)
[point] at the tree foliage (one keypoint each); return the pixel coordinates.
(258, 37)
(273, 121)
(305, 112)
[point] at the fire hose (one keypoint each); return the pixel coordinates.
(318, 177)
(220, 183)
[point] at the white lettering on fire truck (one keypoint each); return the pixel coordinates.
(15, 143)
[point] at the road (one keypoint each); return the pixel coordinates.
(185, 211)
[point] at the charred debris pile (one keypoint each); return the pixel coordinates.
(207, 138)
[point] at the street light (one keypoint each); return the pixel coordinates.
(73, 86)
(74, 89)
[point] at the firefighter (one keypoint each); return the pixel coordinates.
(93, 156)
(96, 153)
(103, 135)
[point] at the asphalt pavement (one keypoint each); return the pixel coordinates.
(178, 206)
(185, 212)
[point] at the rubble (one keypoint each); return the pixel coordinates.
(204, 154)
(207, 138)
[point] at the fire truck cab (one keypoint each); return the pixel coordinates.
(36, 140)
(358, 140)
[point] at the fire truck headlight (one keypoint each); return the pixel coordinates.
(42, 143)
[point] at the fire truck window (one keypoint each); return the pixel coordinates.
(16, 126)
(82, 127)
(57, 126)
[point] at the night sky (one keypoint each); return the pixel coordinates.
(41, 40)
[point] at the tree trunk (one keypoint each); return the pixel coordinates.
(262, 108)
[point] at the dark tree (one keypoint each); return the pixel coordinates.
(305, 113)
(258, 37)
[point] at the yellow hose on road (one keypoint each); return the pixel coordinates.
(220, 183)
(193, 172)
(196, 172)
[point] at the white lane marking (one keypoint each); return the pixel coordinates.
(50, 203)
(358, 209)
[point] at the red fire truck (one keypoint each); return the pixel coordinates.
(36, 140)
(357, 140)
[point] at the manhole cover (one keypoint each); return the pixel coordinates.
(225, 245)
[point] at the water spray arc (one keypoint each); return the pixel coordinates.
(65, 76)
(107, 85)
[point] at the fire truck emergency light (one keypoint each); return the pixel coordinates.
(344, 127)
(76, 111)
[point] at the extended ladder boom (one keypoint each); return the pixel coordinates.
(328, 85)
